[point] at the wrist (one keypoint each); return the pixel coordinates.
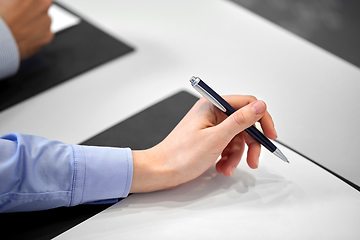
(149, 172)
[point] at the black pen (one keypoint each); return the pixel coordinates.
(224, 106)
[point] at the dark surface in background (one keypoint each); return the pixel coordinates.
(333, 25)
(140, 131)
(72, 52)
(148, 127)
(45, 224)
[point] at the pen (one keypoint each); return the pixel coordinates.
(224, 106)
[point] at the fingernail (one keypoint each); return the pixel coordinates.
(258, 107)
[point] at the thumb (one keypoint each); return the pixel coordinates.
(241, 119)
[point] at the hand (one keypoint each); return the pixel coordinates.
(29, 23)
(198, 140)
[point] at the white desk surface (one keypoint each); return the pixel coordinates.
(276, 201)
(312, 95)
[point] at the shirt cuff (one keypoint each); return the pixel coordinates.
(101, 173)
(9, 53)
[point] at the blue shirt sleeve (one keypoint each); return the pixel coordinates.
(9, 53)
(37, 173)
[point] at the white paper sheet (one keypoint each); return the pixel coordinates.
(277, 201)
(61, 19)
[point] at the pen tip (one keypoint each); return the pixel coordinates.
(280, 155)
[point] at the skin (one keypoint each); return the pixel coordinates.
(198, 140)
(29, 23)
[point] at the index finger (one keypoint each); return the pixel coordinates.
(267, 123)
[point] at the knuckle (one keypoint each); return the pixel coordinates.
(240, 118)
(252, 98)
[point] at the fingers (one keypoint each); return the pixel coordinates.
(238, 102)
(231, 129)
(231, 156)
(29, 23)
(268, 127)
(240, 120)
(253, 154)
(228, 132)
(34, 9)
(235, 124)
(266, 120)
(38, 35)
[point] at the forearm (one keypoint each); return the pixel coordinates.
(37, 173)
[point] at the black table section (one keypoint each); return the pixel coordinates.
(140, 131)
(148, 127)
(333, 25)
(72, 52)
